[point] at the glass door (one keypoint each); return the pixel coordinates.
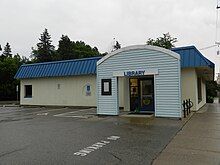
(146, 94)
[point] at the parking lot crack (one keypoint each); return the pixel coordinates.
(13, 151)
(115, 156)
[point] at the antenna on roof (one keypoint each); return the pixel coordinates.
(111, 45)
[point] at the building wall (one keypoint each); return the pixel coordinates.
(72, 91)
(189, 85)
(189, 88)
(167, 82)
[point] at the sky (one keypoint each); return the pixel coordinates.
(97, 22)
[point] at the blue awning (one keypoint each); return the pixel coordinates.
(191, 57)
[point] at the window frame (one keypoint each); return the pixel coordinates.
(88, 90)
(28, 94)
(109, 92)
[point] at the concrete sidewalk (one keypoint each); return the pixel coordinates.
(198, 142)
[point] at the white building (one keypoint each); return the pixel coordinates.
(138, 78)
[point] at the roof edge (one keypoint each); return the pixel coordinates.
(204, 58)
(207, 61)
(183, 47)
(134, 47)
(63, 61)
(42, 77)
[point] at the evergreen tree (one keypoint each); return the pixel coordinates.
(65, 49)
(81, 50)
(45, 50)
(7, 51)
(166, 41)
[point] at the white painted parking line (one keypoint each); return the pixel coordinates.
(96, 146)
(28, 111)
(42, 114)
(83, 117)
(51, 110)
(71, 114)
(43, 111)
(18, 109)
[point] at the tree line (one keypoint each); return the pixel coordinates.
(67, 49)
(44, 52)
(9, 65)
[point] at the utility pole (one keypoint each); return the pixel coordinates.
(218, 4)
(217, 43)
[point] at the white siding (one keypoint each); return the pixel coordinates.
(167, 82)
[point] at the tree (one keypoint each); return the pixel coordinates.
(9, 65)
(65, 49)
(166, 41)
(7, 51)
(211, 90)
(45, 49)
(82, 50)
(8, 69)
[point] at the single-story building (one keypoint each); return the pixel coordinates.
(138, 78)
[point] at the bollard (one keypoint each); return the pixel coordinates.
(184, 108)
(187, 108)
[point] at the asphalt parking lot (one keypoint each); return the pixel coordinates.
(59, 136)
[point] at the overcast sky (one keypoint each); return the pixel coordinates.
(97, 22)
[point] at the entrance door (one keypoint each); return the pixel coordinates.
(147, 95)
(142, 94)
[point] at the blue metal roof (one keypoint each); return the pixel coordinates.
(85, 66)
(191, 57)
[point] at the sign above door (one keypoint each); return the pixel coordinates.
(131, 73)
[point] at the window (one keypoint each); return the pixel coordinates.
(88, 90)
(106, 87)
(199, 86)
(28, 91)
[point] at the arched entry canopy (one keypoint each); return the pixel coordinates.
(153, 81)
